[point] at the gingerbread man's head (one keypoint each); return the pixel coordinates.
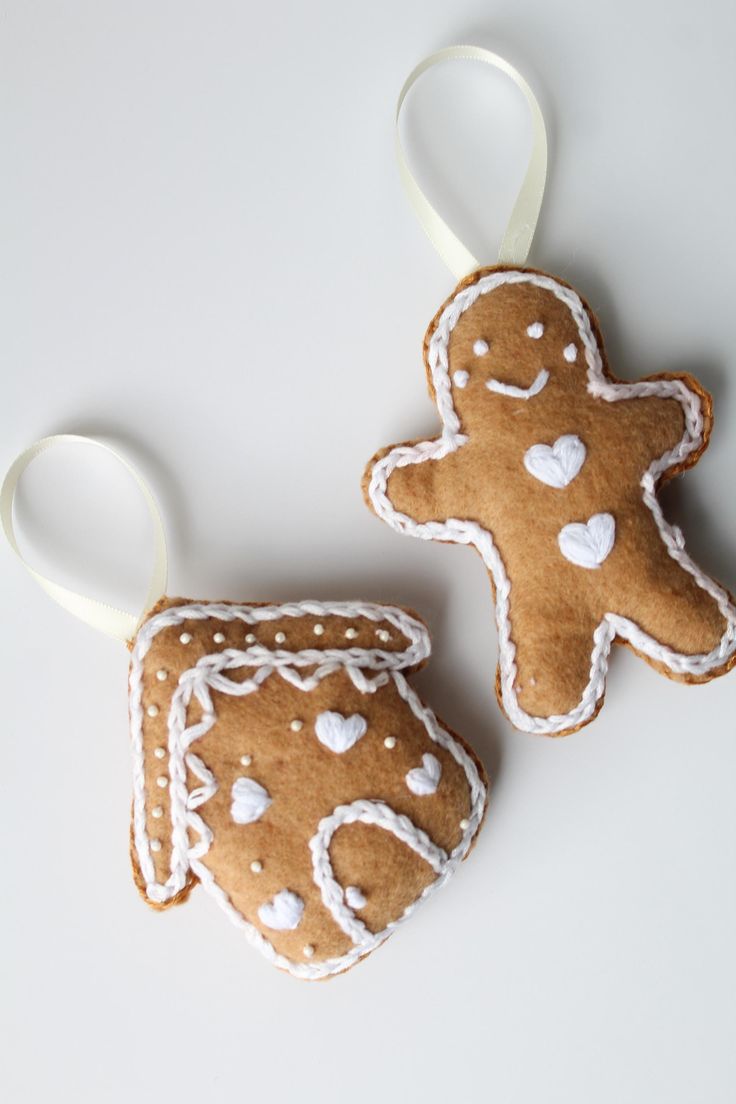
(508, 337)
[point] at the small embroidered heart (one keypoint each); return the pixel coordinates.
(340, 733)
(250, 801)
(283, 913)
(557, 464)
(588, 544)
(423, 781)
(355, 897)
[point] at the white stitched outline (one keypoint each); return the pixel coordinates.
(335, 898)
(208, 674)
(515, 392)
(460, 531)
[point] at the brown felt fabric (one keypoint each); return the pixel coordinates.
(305, 780)
(555, 605)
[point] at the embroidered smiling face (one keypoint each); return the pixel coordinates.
(510, 346)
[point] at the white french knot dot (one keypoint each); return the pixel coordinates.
(318, 629)
(155, 845)
(461, 378)
(535, 330)
(162, 675)
(570, 353)
(480, 347)
(157, 812)
(160, 752)
(390, 742)
(185, 638)
(256, 866)
(219, 638)
(280, 637)
(152, 710)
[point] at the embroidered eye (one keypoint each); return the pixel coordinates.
(535, 330)
(461, 378)
(570, 353)
(480, 347)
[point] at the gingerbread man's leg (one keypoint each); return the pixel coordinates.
(673, 619)
(396, 481)
(544, 671)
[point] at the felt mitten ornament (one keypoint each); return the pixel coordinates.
(549, 466)
(282, 759)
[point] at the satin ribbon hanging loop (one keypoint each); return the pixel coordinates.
(114, 622)
(517, 239)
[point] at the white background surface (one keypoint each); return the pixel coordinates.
(208, 258)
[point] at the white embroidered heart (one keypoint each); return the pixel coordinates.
(283, 913)
(355, 897)
(423, 781)
(557, 464)
(587, 544)
(340, 733)
(250, 801)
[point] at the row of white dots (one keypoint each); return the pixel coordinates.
(219, 638)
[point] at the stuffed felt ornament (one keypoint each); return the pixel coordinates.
(282, 760)
(549, 467)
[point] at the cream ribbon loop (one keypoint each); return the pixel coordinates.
(517, 239)
(99, 615)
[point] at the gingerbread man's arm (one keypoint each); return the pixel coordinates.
(407, 479)
(655, 424)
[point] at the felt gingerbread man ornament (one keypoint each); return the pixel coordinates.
(283, 761)
(549, 466)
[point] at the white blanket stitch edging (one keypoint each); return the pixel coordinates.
(209, 674)
(459, 531)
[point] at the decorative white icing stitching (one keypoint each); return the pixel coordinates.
(423, 781)
(333, 895)
(459, 531)
(588, 544)
(515, 392)
(250, 801)
(355, 897)
(209, 674)
(283, 913)
(339, 733)
(557, 464)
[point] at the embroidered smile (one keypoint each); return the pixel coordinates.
(519, 392)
